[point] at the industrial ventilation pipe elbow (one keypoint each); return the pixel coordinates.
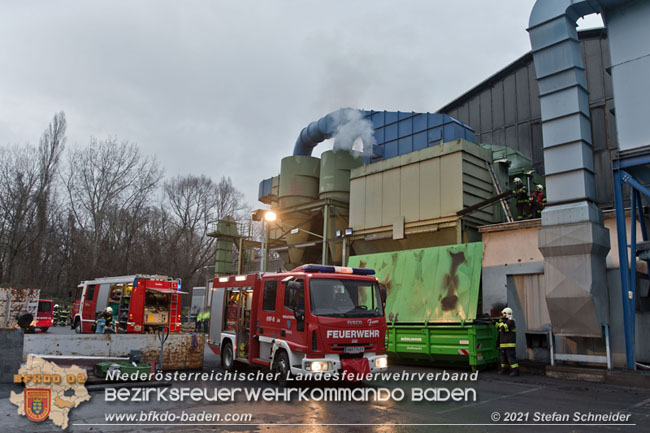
(321, 130)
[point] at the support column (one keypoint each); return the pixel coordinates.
(326, 217)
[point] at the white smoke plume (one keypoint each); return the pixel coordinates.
(354, 133)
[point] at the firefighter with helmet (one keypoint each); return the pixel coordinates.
(507, 343)
(523, 201)
(56, 314)
(538, 201)
(64, 316)
(104, 322)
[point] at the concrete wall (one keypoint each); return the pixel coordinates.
(517, 243)
(495, 282)
(11, 344)
(182, 351)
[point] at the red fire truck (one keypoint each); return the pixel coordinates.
(44, 315)
(140, 303)
(314, 319)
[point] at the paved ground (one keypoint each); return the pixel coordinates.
(531, 395)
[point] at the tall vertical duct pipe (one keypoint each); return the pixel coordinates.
(299, 176)
(335, 167)
(226, 234)
(572, 239)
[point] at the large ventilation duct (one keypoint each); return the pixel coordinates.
(572, 239)
(320, 130)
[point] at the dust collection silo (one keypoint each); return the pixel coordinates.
(299, 180)
(226, 234)
(335, 167)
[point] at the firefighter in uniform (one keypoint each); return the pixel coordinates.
(206, 321)
(107, 321)
(538, 201)
(523, 201)
(57, 315)
(65, 316)
(507, 343)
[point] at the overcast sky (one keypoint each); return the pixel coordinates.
(223, 88)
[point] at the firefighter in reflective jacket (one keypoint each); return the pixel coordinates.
(507, 343)
(523, 201)
(538, 201)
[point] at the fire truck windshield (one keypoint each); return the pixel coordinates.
(344, 298)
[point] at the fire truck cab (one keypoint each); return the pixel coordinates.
(314, 319)
(140, 303)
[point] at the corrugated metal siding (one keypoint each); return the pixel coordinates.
(505, 110)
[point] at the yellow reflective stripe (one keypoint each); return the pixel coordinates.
(505, 345)
(503, 365)
(514, 365)
(505, 326)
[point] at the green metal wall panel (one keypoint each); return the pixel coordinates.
(427, 184)
(428, 285)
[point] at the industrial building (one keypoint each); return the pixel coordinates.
(570, 115)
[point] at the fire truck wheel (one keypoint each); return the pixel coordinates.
(227, 357)
(77, 326)
(281, 367)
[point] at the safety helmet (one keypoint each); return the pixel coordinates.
(540, 188)
(517, 180)
(506, 312)
(56, 305)
(109, 310)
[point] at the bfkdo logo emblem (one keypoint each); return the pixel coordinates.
(37, 404)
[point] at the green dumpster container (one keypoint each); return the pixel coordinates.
(472, 344)
(432, 303)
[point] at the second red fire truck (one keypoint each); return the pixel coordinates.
(314, 319)
(139, 303)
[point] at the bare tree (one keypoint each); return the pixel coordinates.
(27, 177)
(195, 203)
(104, 213)
(105, 179)
(50, 150)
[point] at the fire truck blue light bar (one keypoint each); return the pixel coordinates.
(337, 269)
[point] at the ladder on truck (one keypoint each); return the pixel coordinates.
(174, 307)
(497, 188)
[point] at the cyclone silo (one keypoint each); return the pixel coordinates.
(226, 233)
(299, 179)
(335, 167)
